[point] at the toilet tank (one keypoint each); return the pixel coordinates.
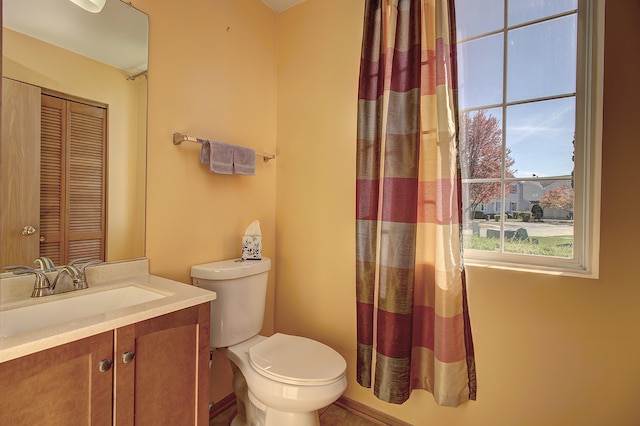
(241, 287)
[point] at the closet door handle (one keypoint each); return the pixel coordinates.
(128, 357)
(28, 230)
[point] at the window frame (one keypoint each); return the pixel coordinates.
(587, 163)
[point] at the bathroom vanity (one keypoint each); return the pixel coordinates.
(147, 361)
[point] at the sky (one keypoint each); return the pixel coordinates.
(540, 133)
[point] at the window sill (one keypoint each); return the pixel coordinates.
(534, 269)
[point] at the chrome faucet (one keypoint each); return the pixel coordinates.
(45, 264)
(41, 286)
(77, 277)
(77, 272)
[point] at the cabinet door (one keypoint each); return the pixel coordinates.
(59, 386)
(162, 370)
(19, 173)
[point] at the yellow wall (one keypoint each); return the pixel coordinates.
(41, 64)
(212, 74)
(318, 60)
(550, 350)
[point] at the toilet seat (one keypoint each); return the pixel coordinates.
(296, 360)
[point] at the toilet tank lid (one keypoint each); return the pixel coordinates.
(230, 269)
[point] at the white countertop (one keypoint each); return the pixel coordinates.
(177, 296)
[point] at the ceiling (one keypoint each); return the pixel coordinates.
(280, 5)
(114, 36)
(117, 36)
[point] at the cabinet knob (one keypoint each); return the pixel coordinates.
(128, 357)
(105, 365)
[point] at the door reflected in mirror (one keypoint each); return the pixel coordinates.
(53, 46)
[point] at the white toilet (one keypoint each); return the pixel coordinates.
(279, 380)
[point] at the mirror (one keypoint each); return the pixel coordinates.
(102, 58)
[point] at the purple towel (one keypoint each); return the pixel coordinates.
(205, 151)
(244, 161)
(218, 155)
(221, 159)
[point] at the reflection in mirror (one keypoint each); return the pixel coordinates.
(56, 48)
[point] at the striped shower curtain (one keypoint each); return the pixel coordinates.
(413, 323)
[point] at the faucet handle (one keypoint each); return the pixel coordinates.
(20, 269)
(79, 260)
(41, 286)
(80, 282)
(45, 264)
(87, 262)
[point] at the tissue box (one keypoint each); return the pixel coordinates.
(251, 247)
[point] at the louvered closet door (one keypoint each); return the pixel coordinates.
(73, 176)
(52, 189)
(86, 219)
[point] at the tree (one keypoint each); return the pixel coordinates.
(559, 198)
(481, 155)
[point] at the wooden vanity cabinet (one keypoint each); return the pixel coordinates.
(167, 380)
(59, 386)
(159, 376)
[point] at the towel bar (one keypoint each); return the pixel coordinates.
(178, 138)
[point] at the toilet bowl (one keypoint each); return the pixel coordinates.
(278, 380)
(288, 377)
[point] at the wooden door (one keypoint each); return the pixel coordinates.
(167, 380)
(53, 194)
(73, 179)
(87, 181)
(19, 173)
(60, 386)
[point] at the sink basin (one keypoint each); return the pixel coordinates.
(61, 311)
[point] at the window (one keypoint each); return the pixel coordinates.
(530, 84)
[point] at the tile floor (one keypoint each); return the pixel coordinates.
(330, 416)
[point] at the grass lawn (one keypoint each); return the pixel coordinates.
(558, 246)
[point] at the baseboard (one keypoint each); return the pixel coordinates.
(368, 413)
(222, 405)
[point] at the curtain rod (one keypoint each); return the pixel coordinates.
(140, 74)
(178, 138)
